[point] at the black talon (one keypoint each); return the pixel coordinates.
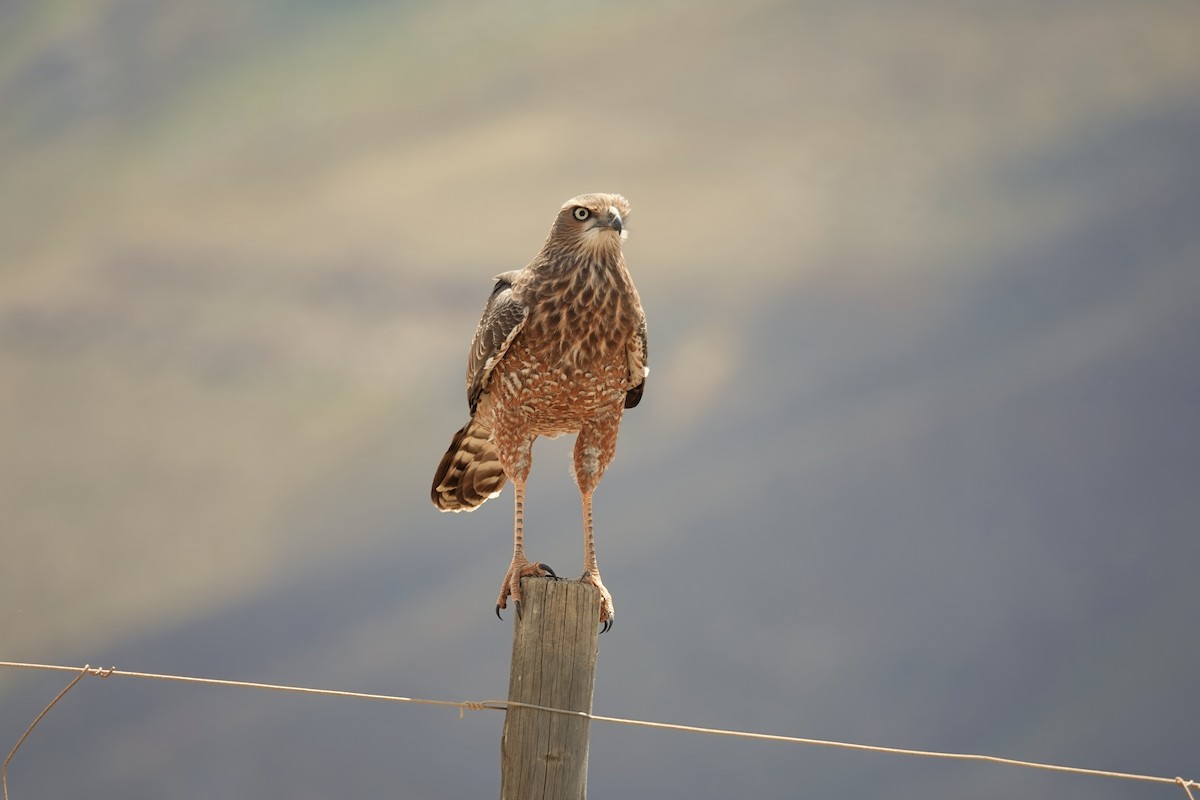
(498, 613)
(517, 604)
(607, 626)
(553, 575)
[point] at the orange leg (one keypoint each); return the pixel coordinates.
(594, 450)
(520, 567)
(516, 456)
(591, 569)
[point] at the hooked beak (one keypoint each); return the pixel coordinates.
(614, 220)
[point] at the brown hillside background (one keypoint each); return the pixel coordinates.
(917, 460)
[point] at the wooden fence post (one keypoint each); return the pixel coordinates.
(543, 755)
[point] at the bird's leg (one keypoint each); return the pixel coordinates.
(591, 569)
(520, 566)
(594, 450)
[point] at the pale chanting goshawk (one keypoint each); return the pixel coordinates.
(561, 348)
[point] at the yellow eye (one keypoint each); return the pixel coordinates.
(582, 213)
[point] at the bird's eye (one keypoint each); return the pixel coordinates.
(582, 213)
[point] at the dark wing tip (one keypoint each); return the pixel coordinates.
(634, 395)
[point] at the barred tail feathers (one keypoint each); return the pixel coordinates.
(470, 472)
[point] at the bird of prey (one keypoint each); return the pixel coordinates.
(561, 348)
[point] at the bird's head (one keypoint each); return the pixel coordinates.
(593, 222)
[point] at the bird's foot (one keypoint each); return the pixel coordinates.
(519, 568)
(606, 604)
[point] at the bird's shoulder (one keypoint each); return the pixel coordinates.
(502, 319)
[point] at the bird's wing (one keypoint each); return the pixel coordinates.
(638, 351)
(503, 317)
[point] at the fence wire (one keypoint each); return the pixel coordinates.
(502, 705)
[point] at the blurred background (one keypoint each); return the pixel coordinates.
(917, 463)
